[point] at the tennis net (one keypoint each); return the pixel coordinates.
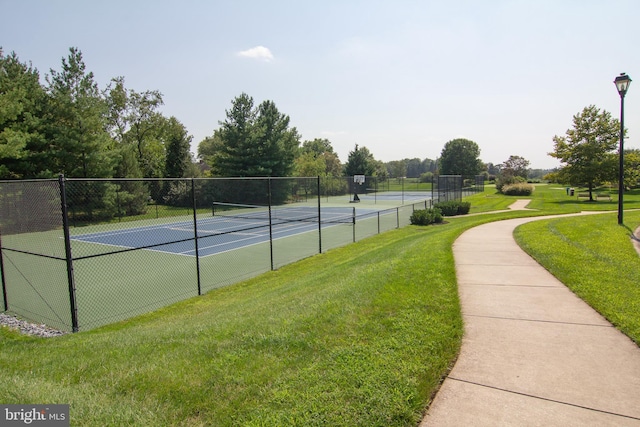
(282, 214)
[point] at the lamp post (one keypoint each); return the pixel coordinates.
(622, 84)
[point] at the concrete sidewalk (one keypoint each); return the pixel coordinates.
(533, 353)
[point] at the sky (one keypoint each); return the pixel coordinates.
(401, 77)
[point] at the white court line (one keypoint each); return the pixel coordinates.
(305, 229)
(283, 230)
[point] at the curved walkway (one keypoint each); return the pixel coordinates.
(533, 353)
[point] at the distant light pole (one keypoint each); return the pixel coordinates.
(622, 84)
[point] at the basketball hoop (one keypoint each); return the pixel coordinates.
(357, 179)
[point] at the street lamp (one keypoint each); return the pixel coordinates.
(622, 84)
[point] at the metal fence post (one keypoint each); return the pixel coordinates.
(354, 225)
(4, 283)
(319, 220)
(195, 233)
(270, 222)
(68, 256)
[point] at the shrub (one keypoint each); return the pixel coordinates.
(503, 181)
(426, 216)
(518, 190)
(453, 207)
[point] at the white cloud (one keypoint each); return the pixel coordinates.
(258, 52)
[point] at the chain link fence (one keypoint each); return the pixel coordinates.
(76, 254)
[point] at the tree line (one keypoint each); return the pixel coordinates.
(67, 124)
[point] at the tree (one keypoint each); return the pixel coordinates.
(80, 145)
(397, 168)
(277, 143)
(631, 168)
(318, 146)
(308, 164)
(132, 196)
(380, 170)
(322, 149)
(515, 166)
(429, 165)
(209, 147)
(360, 162)
(178, 143)
(586, 149)
(333, 166)
(22, 104)
(461, 157)
(415, 167)
(255, 142)
(493, 169)
(133, 118)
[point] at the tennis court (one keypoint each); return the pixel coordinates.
(226, 231)
(113, 270)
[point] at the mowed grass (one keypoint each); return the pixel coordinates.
(551, 199)
(359, 336)
(595, 258)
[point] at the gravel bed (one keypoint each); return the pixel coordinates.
(28, 328)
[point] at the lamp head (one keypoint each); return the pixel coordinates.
(622, 83)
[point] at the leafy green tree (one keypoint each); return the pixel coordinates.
(415, 167)
(397, 168)
(410, 168)
(461, 157)
(322, 149)
(492, 169)
(333, 166)
(429, 165)
(22, 105)
(178, 143)
(209, 147)
(360, 162)
(277, 143)
(133, 118)
(236, 133)
(309, 164)
(131, 196)
(515, 166)
(80, 145)
(255, 141)
(631, 168)
(426, 177)
(178, 162)
(586, 149)
(318, 146)
(380, 170)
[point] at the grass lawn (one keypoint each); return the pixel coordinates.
(595, 258)
(358, 336)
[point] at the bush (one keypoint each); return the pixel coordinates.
(453, 207)
(464, 208)
(426, 216)
(518, 190)
(503, 181)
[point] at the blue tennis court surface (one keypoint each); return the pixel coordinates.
(217, 234)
